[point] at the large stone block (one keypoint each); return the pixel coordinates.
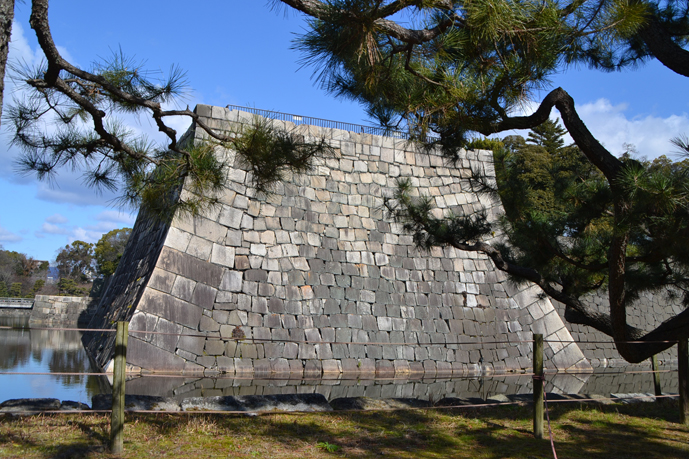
(170, 308)
(190, 267)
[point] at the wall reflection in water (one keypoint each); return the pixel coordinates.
(426, 389)
(24, 350)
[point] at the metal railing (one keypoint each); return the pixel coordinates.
(16, 303)
(328, 124)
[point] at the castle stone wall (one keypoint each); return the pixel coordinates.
(319, 282)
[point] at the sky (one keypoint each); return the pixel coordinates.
(240, 53)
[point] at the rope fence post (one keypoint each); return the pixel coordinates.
(656, 376)
(117, 419)
(683, 375)
(538, 385)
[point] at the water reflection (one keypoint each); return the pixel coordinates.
(52, 351)
(24, 350)
(424, 388)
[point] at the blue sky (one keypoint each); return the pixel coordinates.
(239, 52)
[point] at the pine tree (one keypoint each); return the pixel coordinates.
(547, 135)
(464, 68)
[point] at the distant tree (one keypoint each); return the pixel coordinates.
(37, 286)
(3, 289)
(109, 249)
(69, 286)
(557, 209)
(16, 290)
(75, 261)
(20, 268)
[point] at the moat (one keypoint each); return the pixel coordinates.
(25, 350)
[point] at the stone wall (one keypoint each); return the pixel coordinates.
(8, 315)
(647, 312)
(54, 310)
(318, 281)
(62, 310)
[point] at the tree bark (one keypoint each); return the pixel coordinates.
(661, 46)
(6, 17)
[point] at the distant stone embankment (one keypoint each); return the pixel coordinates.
(49, 310)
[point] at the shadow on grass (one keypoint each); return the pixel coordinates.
(645, 431)
(45, 435)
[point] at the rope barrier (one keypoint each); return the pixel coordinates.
(263, 340)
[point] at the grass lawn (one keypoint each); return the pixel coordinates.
(647, 430)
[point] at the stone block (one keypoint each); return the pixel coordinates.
(307, 351)
(223, 255)
(204, 296)
(199, 248)
(214, 347)
(162, 280)
(183, 288)
(209, 230)
(385, 369)
(291, 351)
(231, 217)
(177, 239)
(168, 335)
(173, 309)
(232, 281)
(190, 267)
(151, 357)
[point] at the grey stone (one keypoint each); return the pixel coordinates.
(31, 405)
(232, 281)
(137, 403)
(189, 267)
(204, 296)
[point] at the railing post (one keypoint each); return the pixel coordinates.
(683, 374)
(656, 376)
(117, 419)
(538, 385)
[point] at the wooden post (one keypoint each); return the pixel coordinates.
(117, 419)
(538, 385)
(683, 373)
(656, 376)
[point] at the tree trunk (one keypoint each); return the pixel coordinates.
(661, 46)
(6, 16)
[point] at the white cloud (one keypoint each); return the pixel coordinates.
(115, 216)
(8, 236)
(57, 219)
(20, 51)
(611, 127)
(649, 134)
(85, 235)
(49, 228)
(105, 221)
(69, 188)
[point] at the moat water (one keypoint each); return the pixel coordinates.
(25, 352)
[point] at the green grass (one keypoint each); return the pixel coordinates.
(648, 430)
